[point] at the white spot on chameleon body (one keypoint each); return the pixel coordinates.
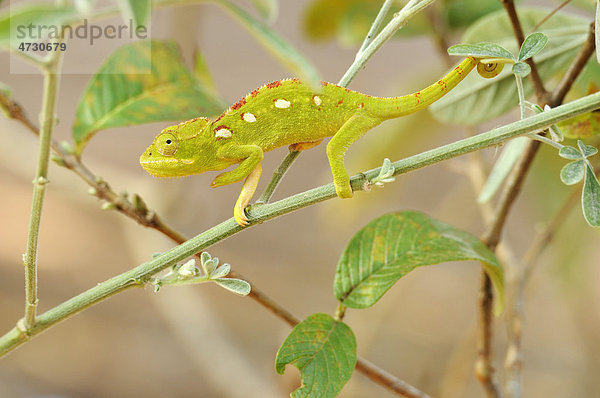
(249, 117)
(282, 104)
(317, 100)
(223, 133)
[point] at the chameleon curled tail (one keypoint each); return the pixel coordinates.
(287, 113)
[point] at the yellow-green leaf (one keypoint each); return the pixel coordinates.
(136, 10)
(33, 22)
(392, 245)
(324, 350)
(140, 83)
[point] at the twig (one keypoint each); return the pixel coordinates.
(277, 176)
(484, 370)
(550, 14)
(385, 8)
(51, 79)
(387, 380)
(538, 85)
(100, 188)
(398, 21)
(575, 69)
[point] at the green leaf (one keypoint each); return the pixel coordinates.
(324, 350)
(586, 150)
(392, 245)
(234, 285)
(480, 50)
(268, 9)
(572, 172)
(568, 152)
(590, 199)
(507, 159)
(141, 82)
(582, 126)
(137, 11)
(282, 50)
(476, 100)
(597, 32)
(533, 44)
(45, 21)
(521, 69)
(460, 13)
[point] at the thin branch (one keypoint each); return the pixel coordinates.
(550, 14)
(51, 79)
(387, 380)
(398, 21)
(584, 54)
(277, 176)
(385, 8)
(484, 370)
(538, 85)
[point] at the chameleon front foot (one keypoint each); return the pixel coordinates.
(248, 190)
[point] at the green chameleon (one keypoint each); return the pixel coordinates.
(286, 112)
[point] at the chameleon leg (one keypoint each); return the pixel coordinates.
(352, 130)
(250, 156)
(302, 146)
(248, 190)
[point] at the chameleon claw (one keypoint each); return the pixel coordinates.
(239, 216)
(248, 190)
(343, 191)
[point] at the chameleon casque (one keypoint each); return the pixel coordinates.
(287, 112)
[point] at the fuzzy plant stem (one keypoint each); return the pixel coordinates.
(521, 94)
(51, 78)
(398, 21)
(258, 214)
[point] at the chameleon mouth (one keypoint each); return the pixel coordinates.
(164, 167)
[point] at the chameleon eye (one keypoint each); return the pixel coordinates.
(167, 144)
(490, 69)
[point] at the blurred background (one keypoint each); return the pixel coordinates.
(201, 341)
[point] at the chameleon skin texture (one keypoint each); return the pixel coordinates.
(284, 112)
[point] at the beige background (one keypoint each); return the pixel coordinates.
(201, 341)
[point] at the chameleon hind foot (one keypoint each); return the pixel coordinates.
(343, 189)
(248, 190)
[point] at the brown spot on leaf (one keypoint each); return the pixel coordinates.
(274, 84)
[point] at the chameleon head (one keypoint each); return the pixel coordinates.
(180, 150)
